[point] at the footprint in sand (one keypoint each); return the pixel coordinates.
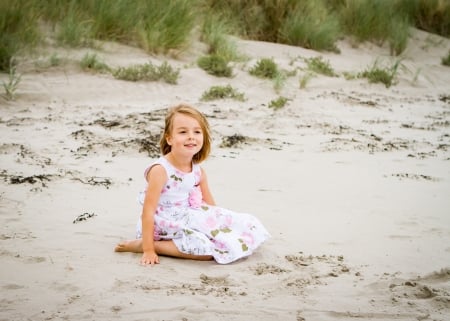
(430, 290)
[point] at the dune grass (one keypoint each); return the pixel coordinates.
(222, 49)
(147, 72)
(18, 30)
(446, 60)
(278, 103)
(377, 21)
(215, 65)
(310, 25)
(91, 61)
(11, 85)
(168, 27)
(265, 68)
(377, 74)
(320, 66)
(222, 92)
(304, 79)
(432, 16)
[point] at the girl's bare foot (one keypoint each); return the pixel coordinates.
(134, 246)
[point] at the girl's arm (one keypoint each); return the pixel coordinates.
(206, 193)
(156, 179)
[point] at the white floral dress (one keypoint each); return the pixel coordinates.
(196, 227)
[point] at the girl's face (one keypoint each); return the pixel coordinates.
(186, 137)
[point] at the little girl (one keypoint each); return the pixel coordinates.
(179, 216)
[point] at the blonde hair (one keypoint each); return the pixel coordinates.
(194, 113)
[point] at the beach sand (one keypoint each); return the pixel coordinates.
(352, 180)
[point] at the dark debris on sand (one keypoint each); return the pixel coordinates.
(19, 179)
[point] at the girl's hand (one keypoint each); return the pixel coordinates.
(149, 257)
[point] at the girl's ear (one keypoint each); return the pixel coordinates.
(169, 140)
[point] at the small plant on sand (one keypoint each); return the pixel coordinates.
(222, 92)
(304, 79)
(54, 60)
(279, 81)
(379, 75)
(278, 103)
(267, 68)
(148, 72)
(349, 75)
(446, 60)
(264, 68)
(215, 65)
(167, 73)
(92, 62)
(12, 84)
(320, 66)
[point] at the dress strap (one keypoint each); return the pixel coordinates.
(160, 161)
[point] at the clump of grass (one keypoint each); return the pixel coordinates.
(12, 84)
(301, 23)
(399, 34)
(446, 60)
(304, 79)
(320, 66)
(376, 74)
(222, 92)
(431, 15)
(265, 68)
(92, 62)
(148, 72)
(18, 30)
(222, 49)
(215, 33)
(168, 73)
(278, 103)
(377, 21)
(53, 61)
(349, 75)
(164, 25)
(112, 20)
(215, 65)
(74, 33)
(310, 25)
(279, 81)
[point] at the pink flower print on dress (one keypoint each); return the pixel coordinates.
(221, 246)
(248, 238)
(211, 222)
(174, 225)
(195, 198)
(228, 220)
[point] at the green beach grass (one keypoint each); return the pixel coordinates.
(168, 27)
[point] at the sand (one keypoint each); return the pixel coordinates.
(351, 179)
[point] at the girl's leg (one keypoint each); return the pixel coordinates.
(166, 248)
